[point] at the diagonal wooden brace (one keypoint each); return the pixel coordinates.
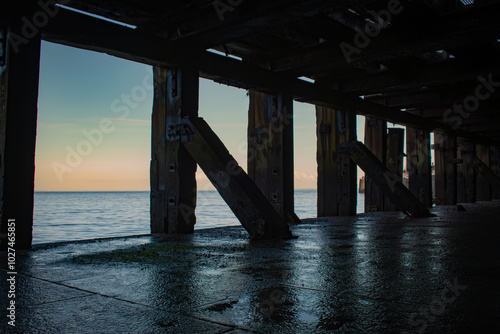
(238, 190)
(486, 172)
(386, 180)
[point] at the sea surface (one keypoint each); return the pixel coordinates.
(66, 216)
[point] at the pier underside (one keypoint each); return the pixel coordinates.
(431, 66)
(425, 258)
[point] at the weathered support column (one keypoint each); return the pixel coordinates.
(495, 168)
(483, 185)
(336, 172)
(270, 150)
(394, 160)
(19, 76)
(173, 182)
(376, 141)
(445, 170)
(466, 174)
(419, 164)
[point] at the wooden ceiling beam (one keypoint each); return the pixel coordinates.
(441, 97)
(86, 32)
(453, 31)
(417, 77)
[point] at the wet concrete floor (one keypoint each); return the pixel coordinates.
(374, 273)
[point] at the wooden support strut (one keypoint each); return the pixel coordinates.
(445, 176)
(485, 171)
(385, 179)
(484, 176)
(495, 168)
(466, 174)
(419, 164)
(173, 171)
(394, 159)
(238, 190)
(19, 77)
(270, 150)
(336, 173)
(376, 142)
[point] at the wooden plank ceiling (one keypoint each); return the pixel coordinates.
(427, 59)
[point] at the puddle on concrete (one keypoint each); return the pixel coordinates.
(306, 317)
(222, 306)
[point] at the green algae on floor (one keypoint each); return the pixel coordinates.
(146, 254)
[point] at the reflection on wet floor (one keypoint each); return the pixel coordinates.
(375, 273)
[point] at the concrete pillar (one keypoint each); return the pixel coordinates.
(445, 170)
(466, 174)
(337, 188)
(19, 76)
(394, 159)
(173, 182)
(483, 185)
(270, 150)
(376, 142)
(419, 164)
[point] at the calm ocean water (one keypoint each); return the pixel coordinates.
(65, 216)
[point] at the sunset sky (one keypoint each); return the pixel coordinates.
(85, 93)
